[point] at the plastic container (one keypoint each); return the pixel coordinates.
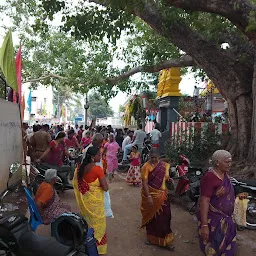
(91, 243)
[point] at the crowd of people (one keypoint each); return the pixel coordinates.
(216, 226)
(48, 145)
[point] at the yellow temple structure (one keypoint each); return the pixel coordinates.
(168, 95)
(168, 85)
(210, 88)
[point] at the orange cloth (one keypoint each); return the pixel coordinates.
(104, 160)
(44, 193)
(95, 173)
(148, 211)
(105, 165)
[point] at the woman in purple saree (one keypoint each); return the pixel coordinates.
(216, 226)
(155, 208)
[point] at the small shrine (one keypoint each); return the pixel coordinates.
(168, 95)
(169, 80)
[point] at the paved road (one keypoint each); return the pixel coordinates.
(125, 237)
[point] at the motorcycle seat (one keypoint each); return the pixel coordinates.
(249, 182)
(31, 244)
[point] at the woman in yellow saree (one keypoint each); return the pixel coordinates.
(89, 186)
(155, 208)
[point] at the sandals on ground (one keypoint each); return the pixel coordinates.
(169, 247)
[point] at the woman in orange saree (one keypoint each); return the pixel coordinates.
(155, 208)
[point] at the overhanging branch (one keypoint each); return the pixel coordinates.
(238, 12)
(44, 77)
(184, 61)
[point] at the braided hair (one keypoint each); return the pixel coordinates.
(92, 151)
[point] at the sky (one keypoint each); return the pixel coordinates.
(186, 85)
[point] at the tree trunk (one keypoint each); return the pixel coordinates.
(232, 113)
(244, 118)
(252, 150)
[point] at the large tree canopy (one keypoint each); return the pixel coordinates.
(146, 34)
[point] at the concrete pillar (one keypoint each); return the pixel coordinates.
(168, 104)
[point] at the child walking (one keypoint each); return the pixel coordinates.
(111, 149)
(134, 174)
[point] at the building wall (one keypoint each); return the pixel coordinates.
(10, 141)
(42, 99)
(116, 122)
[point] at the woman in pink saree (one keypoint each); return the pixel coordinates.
(111, 149)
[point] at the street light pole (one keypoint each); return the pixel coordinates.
(86, 107)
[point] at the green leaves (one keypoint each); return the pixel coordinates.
(98, 106)
(252, 22)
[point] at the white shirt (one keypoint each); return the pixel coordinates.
(196, 92)
(84, 133)
(76, 130)
(126, 142)
(155, 135)
(139, 138)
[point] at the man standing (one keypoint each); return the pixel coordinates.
(24, 140)
(80, 133)
(138, 139)
(196, 95)
(155, 135)
(76, 129)
(40, 142)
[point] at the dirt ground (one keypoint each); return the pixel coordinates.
(125, 237)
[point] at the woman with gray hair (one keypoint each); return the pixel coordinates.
(216, 228)
(47, 200)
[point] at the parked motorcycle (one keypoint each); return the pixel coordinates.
(37, 176)
(147, 145)
(70, 235)
(9, 188)
(144, 152)
(75, 161)
(248, 186)
(188, 187)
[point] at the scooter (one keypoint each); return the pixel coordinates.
(70, 235)
(182, 170)
(248, 186)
